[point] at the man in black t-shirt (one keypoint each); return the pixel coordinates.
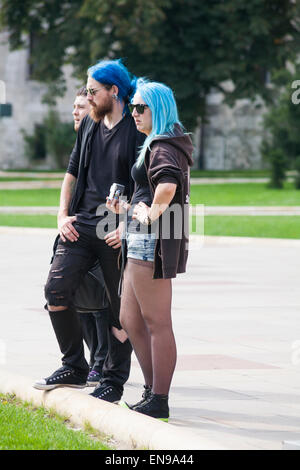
(104, 153)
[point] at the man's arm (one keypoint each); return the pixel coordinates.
(64, 221)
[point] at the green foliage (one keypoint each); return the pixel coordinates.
(279, 164)
(51, 137)
(35, 145)
(191, 45)
(297, 168)
(60, 138)
(281, 145)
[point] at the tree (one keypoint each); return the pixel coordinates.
(281, 145)
(190, 45)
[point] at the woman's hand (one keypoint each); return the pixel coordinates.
(140, 212)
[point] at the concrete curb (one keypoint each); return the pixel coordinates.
(137, 431)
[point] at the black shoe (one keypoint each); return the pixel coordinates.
(107, 393)
(155, 406)
(146, 394)
(93, 378)
(63, 377)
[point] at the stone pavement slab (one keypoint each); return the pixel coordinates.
(236, 322)
(57, 184)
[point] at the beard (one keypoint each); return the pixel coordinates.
(98, 112)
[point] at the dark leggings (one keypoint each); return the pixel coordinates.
(146, 317)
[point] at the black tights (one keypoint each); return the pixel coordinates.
(146, 317)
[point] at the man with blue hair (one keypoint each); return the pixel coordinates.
(104, 153)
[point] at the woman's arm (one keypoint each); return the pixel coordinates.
(163, 196)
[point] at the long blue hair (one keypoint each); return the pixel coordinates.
(114, 72)
(160, 99)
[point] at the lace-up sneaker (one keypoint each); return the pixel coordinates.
(107, 393)
(93, 378)
(146, 394)
(63, 377)
(155, 406)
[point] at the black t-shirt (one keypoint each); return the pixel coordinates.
(142, 193)
(108, 164)
(141, 189)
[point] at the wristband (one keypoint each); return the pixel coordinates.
(147, 220)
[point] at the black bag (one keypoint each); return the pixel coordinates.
(91, 293)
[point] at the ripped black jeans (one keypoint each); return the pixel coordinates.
(71, 261)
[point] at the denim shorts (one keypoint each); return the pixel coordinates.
(141, 246)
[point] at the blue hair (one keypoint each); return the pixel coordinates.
(160, 99)
(113, 72)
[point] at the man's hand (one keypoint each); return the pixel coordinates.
(114, 238)
(66, 229)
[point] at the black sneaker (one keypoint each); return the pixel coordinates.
(63, 377)
(146, 394)
(107, 393)
(155, 406)
(93, 378)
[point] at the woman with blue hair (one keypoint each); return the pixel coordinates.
(157, 240)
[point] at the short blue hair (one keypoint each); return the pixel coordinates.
(161, 101)
(114, 72)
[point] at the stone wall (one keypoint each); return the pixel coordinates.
(232, 137)
(25, 95)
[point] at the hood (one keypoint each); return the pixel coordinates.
(180, 140)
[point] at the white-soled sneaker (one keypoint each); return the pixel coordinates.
(63, 377)
(107, 393)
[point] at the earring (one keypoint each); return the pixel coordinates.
(115, 96)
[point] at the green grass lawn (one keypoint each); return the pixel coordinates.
(16, 220)
(244, 194)
(250, 226)
(25, 427)
(29, 197)
(230, 173)
(239, 226)
(11, 179)
(251, 194)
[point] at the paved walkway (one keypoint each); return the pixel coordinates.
(196, 210)
(236, 320)
(29, 174)
(57, 184)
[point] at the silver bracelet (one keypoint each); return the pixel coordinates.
(147, 220)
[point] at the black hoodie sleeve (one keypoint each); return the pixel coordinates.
(164, 168)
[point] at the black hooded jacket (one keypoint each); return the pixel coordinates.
(168, 161)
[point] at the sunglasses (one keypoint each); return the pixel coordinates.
(140, 108)
(93, 91)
